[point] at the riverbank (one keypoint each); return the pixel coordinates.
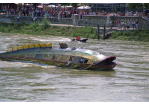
(45, 28)
(133, 35)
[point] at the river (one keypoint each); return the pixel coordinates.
(32, 82)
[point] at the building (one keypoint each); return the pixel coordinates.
(108, 7)
(112, 7)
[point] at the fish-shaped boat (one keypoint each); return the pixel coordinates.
(74, 58)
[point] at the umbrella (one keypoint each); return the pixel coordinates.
(84, 7)
(44, 3)
(50, 6)
(40, 6)
(66, 6)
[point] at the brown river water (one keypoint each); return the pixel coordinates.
(33, 82)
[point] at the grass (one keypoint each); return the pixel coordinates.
(134, 35)
(46, 29)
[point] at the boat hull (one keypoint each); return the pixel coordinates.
(62, 57)
(81, 40)
(61, 64)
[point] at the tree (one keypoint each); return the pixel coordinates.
(134, 5)
(146, 5)
(137, 5)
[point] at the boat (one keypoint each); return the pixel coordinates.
(62, 56)
(81, 40)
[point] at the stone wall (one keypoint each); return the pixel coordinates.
(105, 20)
(76, 20)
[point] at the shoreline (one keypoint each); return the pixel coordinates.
(69, 30)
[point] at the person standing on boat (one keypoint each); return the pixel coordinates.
(70, 59)
(81, 60)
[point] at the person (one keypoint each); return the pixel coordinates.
(119, 24)
(4, 11)
(77, 38)
(111, 24)
(136, 24)
(127, 25)
(35, 18)
(81, 60)
(122, 24)
(139, 24)
(49, 13)
(116, 22)
(133, 24)
(70, 59)
(86, 22)
(17, 18)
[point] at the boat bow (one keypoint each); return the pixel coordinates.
(105, 62)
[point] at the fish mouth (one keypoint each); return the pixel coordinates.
(106, 62)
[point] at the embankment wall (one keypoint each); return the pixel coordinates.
(77, 20)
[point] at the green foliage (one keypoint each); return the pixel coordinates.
(137, 5)
(134, 5)
(115, 34)
(88, 32)
(45, 23)
(146, 5)
(23, 23)
(136, 35)
(35, 23)
(2, 29)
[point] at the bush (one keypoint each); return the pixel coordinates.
(115, 34)
(35, 23)
(45, 23)
(2, 29)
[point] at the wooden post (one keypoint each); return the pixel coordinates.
(147, 24)
(98, 30)
(141, 20)
(104, 32)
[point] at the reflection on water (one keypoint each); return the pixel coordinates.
(25, 81)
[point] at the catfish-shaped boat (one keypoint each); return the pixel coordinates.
(63, 56)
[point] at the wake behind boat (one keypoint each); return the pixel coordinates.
(74, 58)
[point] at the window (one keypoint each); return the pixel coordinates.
(122, 5)
(92, 52)
(39, 56)
(117, 5)
(105, 5)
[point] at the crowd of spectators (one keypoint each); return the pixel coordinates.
(64, 12)
(127, 25)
